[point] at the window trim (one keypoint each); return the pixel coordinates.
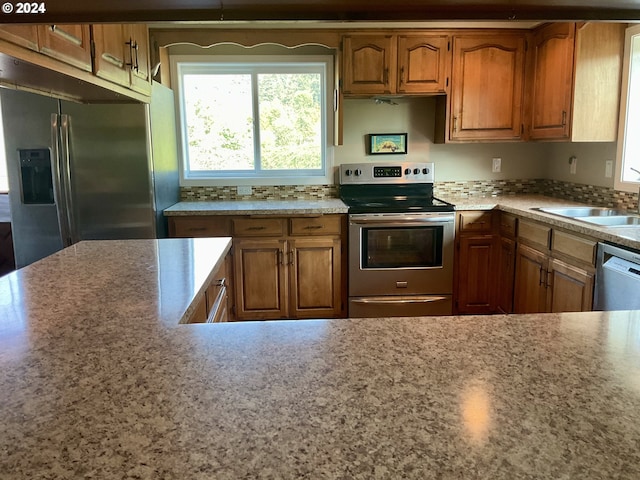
(619, 184)
(275, 178)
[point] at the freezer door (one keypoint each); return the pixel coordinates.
(110, 171)
(26, 120)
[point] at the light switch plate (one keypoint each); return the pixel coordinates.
(244, 190)
(608, 169)
(496, 165)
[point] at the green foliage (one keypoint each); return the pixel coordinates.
(220, 121)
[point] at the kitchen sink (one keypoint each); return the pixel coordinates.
(574, 212)
(606, 217)
(613, 221)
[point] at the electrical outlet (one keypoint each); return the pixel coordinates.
(573, 165)
(244, 190)
(496, 165)
(608, 169)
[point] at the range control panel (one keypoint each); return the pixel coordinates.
(400, 172)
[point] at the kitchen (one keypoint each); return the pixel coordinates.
(293, 399)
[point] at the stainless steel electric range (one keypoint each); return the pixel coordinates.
(401, 240)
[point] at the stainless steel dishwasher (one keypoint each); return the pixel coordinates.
(617, 278)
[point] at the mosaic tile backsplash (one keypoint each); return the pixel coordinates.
(594, 195)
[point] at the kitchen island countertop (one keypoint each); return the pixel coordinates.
(99, 380)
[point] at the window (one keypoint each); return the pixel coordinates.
(254, 119)
(628, 156)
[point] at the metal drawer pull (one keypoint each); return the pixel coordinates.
(313, 227)
(257, 228)
(221, 282)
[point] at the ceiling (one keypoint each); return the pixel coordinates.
(94, 11)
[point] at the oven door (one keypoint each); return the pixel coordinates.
(401, 254)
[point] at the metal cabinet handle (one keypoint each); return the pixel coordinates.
(401, 75)
(256, 228)
(541, 281)
(564, 118)
(455, 124)
(312, 227)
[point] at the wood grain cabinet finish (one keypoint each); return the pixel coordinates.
(551, 81)
(505, 273)
(213, 307)
(122, 55)
(369, 64)
(283, 266)
(476, 262)
(556, 277)
(68, 43)
(410, 63)
(23, 35)
(574, 78)
(487, 87)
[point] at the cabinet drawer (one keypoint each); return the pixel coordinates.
(534, 233)
(258, 227)
(475, 221)
(576, 247)
(323, 225)
(508, 225)
(204, 226)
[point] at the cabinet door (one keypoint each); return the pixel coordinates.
(530, 293)
(571, 288)
(487, 87)
(68, 43)
(476, 266)
(423, 63)
(110, 60)
(369, 64)
(23, 35)
(261, 289)
(551, 80)
(140, 69)
(505, 273)
(315, 277)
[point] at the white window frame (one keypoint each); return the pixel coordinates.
(184, 63)
(619, 184)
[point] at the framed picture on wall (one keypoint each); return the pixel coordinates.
(387, 143)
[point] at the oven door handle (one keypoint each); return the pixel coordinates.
(398, 300)
(401, 220)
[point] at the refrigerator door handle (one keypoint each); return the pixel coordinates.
(59, 191)
(65, 157)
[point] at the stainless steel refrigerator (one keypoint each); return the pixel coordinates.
(87, 171)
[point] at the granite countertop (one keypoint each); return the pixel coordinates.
(98, 379)
(248, 207)
(518, 204)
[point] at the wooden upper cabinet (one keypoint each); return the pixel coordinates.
(551, 81)
(68, 43)
(110, 60)
(140, 70)
(23, 35)
(369, 64)
(389, 64)
(122, 55)
(424, 63)
(487, 87)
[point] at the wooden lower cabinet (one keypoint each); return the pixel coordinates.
(213, 307)
(293, 278)
(315, 277)
(571, 287)
(505, 275)
(476, 267)
(261, 286)
(547, 284)
(530, 293)
(283, 266)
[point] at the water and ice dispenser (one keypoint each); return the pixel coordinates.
(36, 176)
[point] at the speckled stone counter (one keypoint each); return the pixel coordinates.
(99, 380)
(248, 207)
(523, 206)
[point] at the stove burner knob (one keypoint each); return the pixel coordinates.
(357, 172)
(407, 171)
(416, 171)
(348, 172)
(425, 171)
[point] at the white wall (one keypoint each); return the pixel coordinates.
(416, 116)
(590, 167)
